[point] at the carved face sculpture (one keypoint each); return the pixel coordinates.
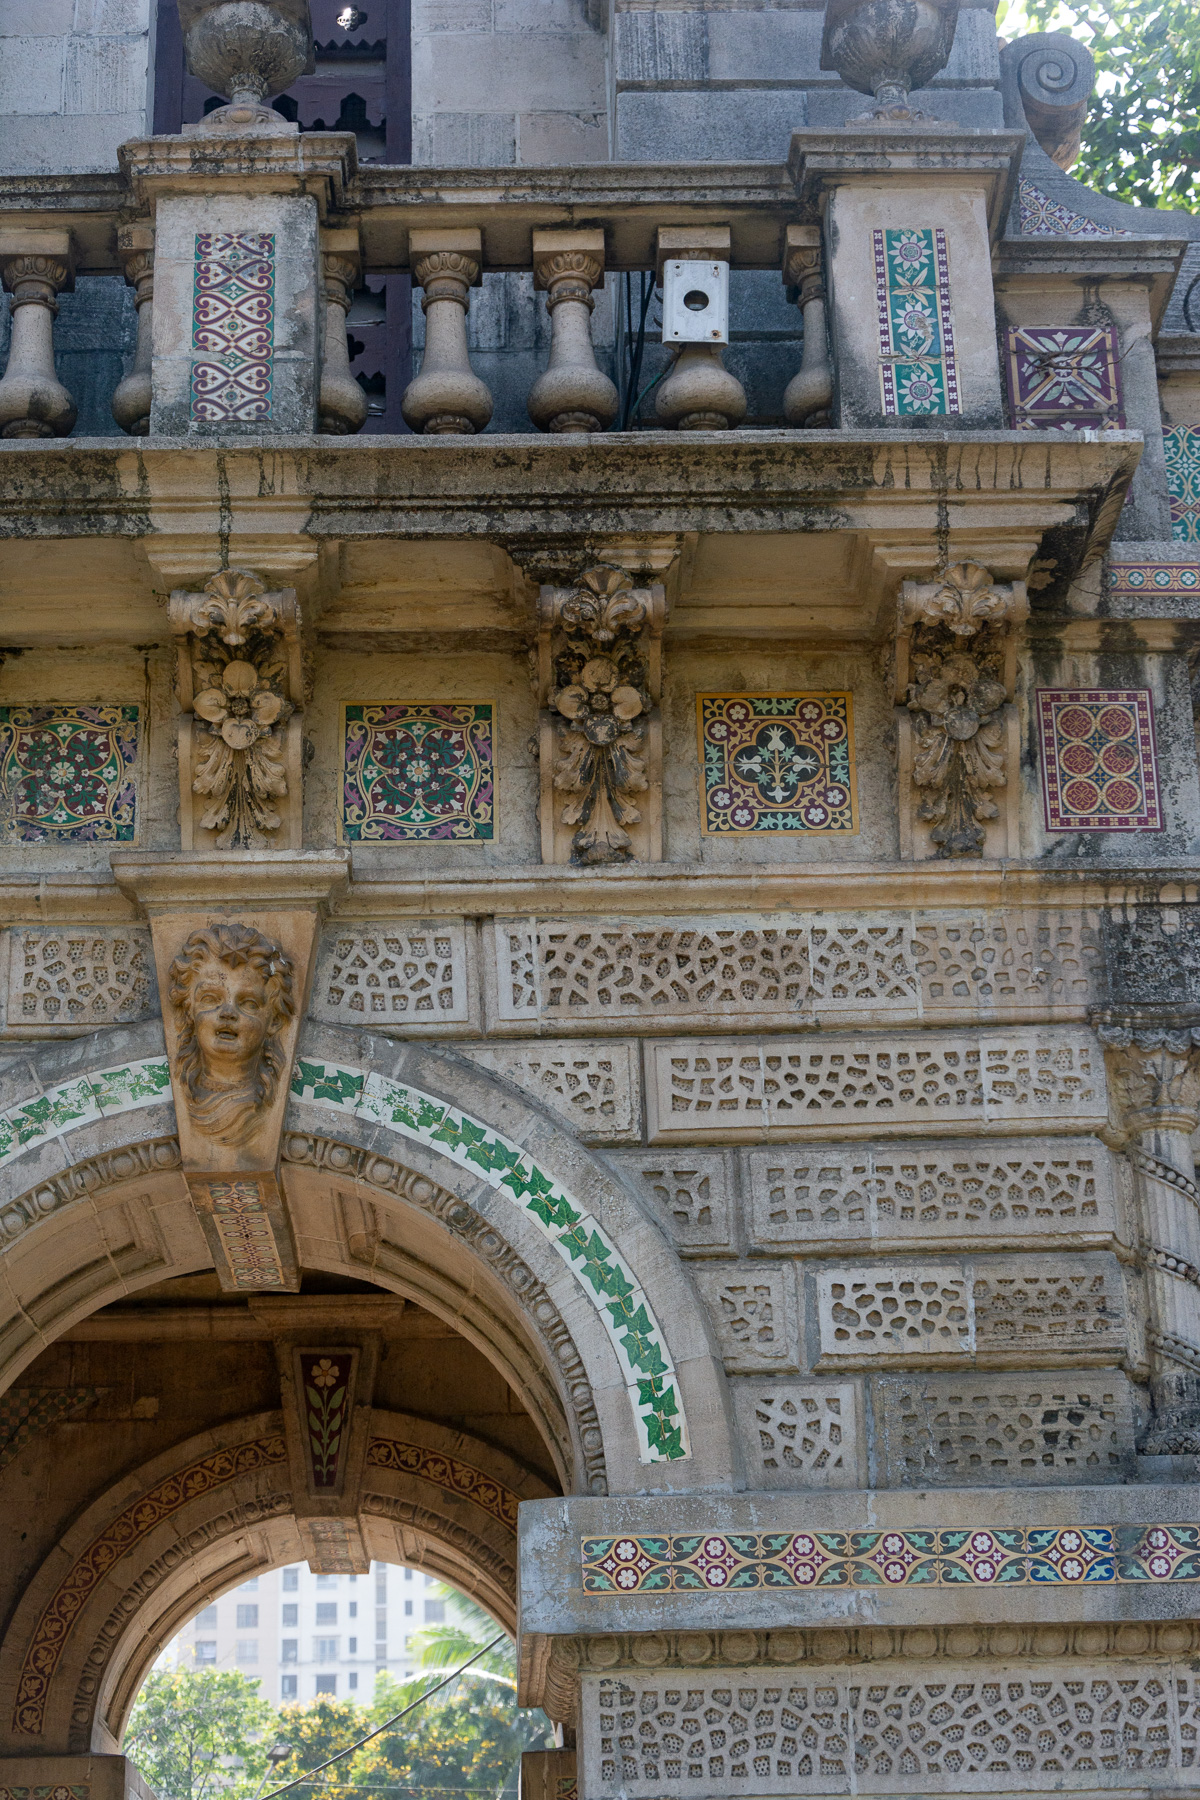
(231, 989)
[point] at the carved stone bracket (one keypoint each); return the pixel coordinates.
(955, 676)
(1153, 1063)
(240, 682)
(599, 677)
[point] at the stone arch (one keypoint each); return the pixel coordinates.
(202, 1517)
(576, 1281)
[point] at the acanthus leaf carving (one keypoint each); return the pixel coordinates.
(600, 676)
(955, 676)
(240, 683)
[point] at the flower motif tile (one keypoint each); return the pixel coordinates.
(918, 367)
(579, 1239)
(81, 1101)
(1040, 216)
(961, 1556)
(1064, 378)
(233, 327)
(1154, 578)
(1099, 771)
(781, 763)
(418, 772)
(1181, 447)
(67, 774)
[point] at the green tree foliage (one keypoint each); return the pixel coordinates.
(316, 1733)
(198, 1733)
(1141, 141)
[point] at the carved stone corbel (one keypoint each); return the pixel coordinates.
(955, 675)
(599, 678)
(240, 682)
(1153, 1063)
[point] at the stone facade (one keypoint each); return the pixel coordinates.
(655, 932)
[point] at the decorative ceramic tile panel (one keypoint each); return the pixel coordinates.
(242, 1219)
(418, 773)
(1099, 771)
(604, 1278)
(233, 327)
(985, 1193)
(798, 1434)
(143, 1515)
(27, 1412)
(1064, 378)
(1083, 1725)
(1154, 578)
(77, 978)
(918, 368)
(326, 1381)
(67, 774)
(973, 1555)
(593, 1087)
(777, 763)
(1181, 447)
(965, 1430)
(405, 972)
(1040, 216)
(447, 1472)
(726, 1090)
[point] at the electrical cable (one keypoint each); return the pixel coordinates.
(306, 1778)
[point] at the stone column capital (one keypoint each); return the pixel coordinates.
(1153, 1058)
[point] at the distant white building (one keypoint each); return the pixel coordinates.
(304, 1635)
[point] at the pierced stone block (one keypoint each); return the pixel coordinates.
(62, 983)
(1043, 1426)
(689, 1193)
(404, 974)
(799, 1434)
(754, 1314)
(593, 1087)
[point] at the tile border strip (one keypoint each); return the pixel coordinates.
(1069, 1555)
(606, 1279)
(83, 1100)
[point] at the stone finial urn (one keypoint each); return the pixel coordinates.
(887, 48)
(248, 49)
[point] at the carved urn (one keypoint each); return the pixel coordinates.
(888, 47)
(248, 49)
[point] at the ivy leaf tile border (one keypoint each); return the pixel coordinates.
(81, 1101)
(607, 1280)
(1068, 1555)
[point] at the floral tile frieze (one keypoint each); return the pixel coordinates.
(1181, 448)
(1069, 1555)
(918, 363)
(233, 327)
(777, 763)
(1154, 578)
(580, 1240)
(67, 774)
(1064, 378)
(82, 1101)
(418, 772)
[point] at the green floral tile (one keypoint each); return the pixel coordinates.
(326, 1085)
(132, 1085)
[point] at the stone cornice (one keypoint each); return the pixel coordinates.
(218, 879)
(1152, 261)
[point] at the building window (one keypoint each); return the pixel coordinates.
(206, 1652)
(325, 1650)
(249, 1587)
(408, 1574)
(206, 1620)
(247, 1618)
(354, 1678)
(435, 1612)
(326, 1612)
(291, 1580)
(353, 1606)
(353, 1647)
(290, 1614)
(408, 1609)
(325, 1684)
(327, 1581)
(289, 1649)
(287, 1688)
(247, 1651)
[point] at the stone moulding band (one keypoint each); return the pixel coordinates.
(963, 1556)
(606, 1279)
(139, 1519)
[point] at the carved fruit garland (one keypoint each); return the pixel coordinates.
(601, 697)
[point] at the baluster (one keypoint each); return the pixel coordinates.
(132, 399)
(808, 398)
(572, 394)
(699, 394)
(447, 395)
(34, 265)
(342, 405)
